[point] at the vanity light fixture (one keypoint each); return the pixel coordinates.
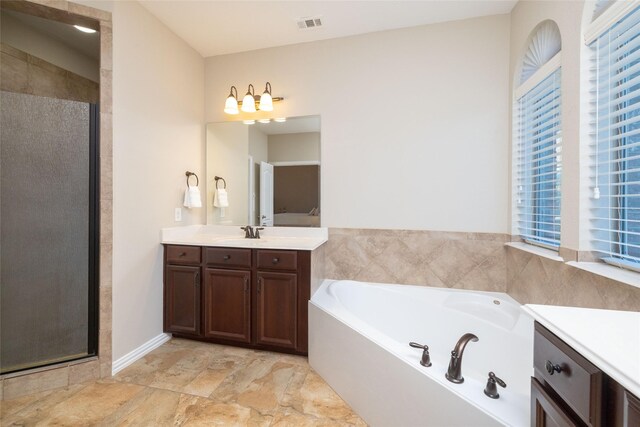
(280, 119)
(231, 105)
(264, 121)
(249, 122)
(266, 102)
(251, 102)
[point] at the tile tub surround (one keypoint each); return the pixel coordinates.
(534, 279)
(187, 382)
(69, 374)
(417, 257)
(477, 261)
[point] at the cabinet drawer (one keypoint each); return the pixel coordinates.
(182, 254)
(227, 257)
(579, 382)
(277, 260)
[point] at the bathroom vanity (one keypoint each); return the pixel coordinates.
(586, 367)
(253, 293)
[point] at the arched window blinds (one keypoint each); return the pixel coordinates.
(538, 141)
(544, 45)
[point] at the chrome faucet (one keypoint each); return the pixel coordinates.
(454, 373)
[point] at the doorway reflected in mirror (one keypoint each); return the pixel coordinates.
(272, 172)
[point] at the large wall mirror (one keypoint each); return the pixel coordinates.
(270, 171)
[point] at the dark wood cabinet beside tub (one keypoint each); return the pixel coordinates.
(253, 298)
(567, 390)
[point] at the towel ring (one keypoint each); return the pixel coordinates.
(217, 178)
(189, 175)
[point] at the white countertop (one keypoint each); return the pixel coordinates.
(607, 338)
(293, 238)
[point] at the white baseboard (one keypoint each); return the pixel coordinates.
(139, 352)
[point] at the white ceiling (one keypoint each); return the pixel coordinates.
(215, 27)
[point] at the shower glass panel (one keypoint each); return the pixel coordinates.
(48, 204)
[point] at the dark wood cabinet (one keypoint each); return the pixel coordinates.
(546, 412)
(182, 299)
(254, 298)
(624, 407)
(227, 304)
(276, 309)
(568, 390)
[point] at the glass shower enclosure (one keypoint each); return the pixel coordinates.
(48, 231)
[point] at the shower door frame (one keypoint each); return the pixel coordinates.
(94, 231)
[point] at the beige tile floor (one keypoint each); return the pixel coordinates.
(187, 383)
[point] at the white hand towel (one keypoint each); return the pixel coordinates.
(192, 198)
(220, 199)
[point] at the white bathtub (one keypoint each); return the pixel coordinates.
(358, 342)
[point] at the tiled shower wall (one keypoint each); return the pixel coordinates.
(477, 261)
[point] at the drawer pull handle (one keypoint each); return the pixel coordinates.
(552, 369)
(226, 257)
(183, 254)
(275, 260)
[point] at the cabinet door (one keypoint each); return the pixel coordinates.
(631, 413)
(276, 312)
(545, 411)
(227, 302)
(182, 299)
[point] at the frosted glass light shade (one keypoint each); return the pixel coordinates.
(266, 102)
(231, 105)
(248, 104)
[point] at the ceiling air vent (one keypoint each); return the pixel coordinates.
(310, 22)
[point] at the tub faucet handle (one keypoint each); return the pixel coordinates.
(426, 358)
(491, 389)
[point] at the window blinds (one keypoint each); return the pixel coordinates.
(615, 212)
(539, 163)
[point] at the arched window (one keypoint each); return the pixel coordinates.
(538, 140)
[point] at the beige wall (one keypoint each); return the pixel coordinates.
(26, 38)
(294, 147)
(158, 134)
(259, 151)
(403, 109)
(227, 157)
(258, 145)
